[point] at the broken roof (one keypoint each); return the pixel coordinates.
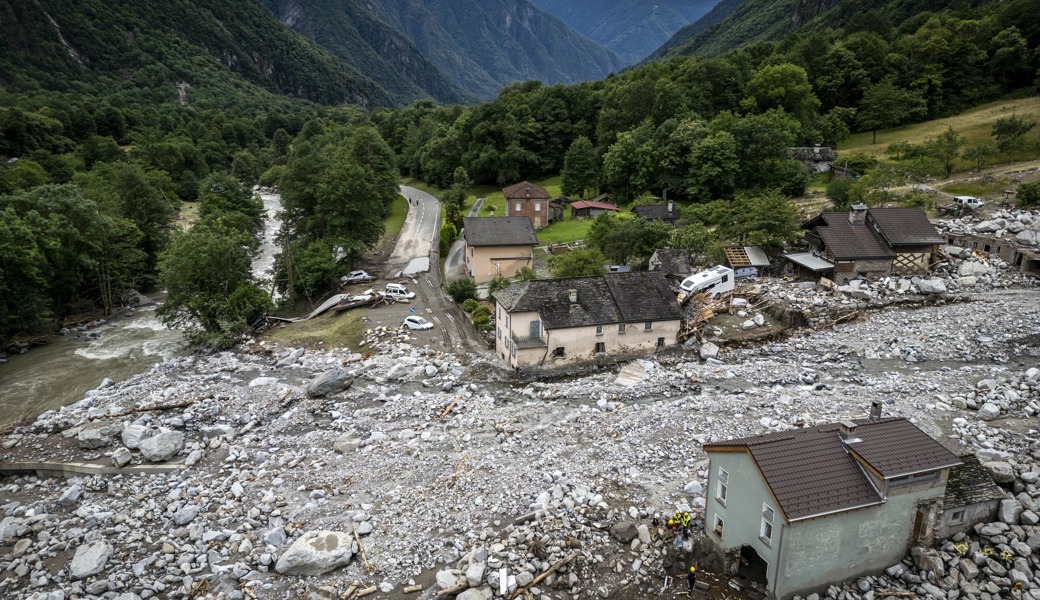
(499, 231)
(525, 189)
(671, 260)
(601, 299)
(970, 484)
(812, 472)
(746, 256)
(812, 153)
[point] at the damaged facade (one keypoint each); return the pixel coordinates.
(548, 324)
(799, 510)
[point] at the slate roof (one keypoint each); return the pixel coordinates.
(812, 472)
(602, 299)
(970, 484)
(905, 226)
(657, 212)
(499, 231)
(525, 189)
(673, 261)
(813, 153)
(846, 242)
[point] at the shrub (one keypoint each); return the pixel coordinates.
(1029, 194)
(498, 284)
(483, 309)
(470, 305)
(481, 320)
(461, 290)
(526, 274)
(488, 327)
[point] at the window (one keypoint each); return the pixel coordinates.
(957, 516)
(600, 348)
(499, 330)
(648, 326)
(512, 351)
(717, 526)
(599, 330)
(660, 342)
(507, 321)
(898, 482)
(725, 278)
(722, 487)
(766, 532)
(621, 328)
(517, 207)
(498, 314)
(537, 207)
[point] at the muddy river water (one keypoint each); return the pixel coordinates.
(60, 373)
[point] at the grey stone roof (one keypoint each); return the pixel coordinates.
(672, 261)
(499, 231)
(601, 299)
(813, 154)
(970, 484)
(657, 212)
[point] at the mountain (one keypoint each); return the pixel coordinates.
(752, 21)
(202, 48)
(718, 13)
(353, 34)
(482, 45)
(632, 29)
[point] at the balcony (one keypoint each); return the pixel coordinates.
(530, 341)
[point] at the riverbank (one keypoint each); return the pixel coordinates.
(435, 457)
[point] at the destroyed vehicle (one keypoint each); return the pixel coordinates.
(417, 323)
(357, 277)
(713, 282)
(397, 292)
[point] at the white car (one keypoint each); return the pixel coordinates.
(970, 202)
(414, 322)
(398, 292)
(357, 277)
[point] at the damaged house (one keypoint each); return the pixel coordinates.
(551, 323)
(799, 510)
(868, 242)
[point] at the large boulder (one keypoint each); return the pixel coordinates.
(709, 350)
(94, 436)
(450, 578)
(133, 435)
(316, 553)
(90, 559)
(1000, 471)
(971, 268)
(624, 531)
(329, 382)
(162, 446)
(932, 286)
(481, 593)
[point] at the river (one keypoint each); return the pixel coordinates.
(59, 373)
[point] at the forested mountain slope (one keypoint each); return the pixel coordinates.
(353, 34)
(482, 45)
(720, 12)
(630, 28)
(154, 45)
(771, 20)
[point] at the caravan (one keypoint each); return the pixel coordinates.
(713, 283)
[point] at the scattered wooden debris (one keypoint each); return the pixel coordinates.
(548, 572)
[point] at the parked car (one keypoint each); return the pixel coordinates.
(398, 292)
(414, 322)
(357, 277)
(968, 202)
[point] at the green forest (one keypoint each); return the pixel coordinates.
(96, 163)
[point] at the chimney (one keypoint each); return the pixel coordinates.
(857, 215)
(848, 433)
(875, 410)
(573, 295)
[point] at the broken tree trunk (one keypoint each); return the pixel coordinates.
(454, 590)
(550, 571)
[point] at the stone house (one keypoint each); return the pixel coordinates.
(497, 246)
(670, 261)
(873, 242)
(526, 199)
(549, 324)
(971, 497)
(816, 159)
(799, 510)
(667, 212)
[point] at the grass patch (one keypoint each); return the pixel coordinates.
(980, 187)
(331, 330)
(974, 125)
(392, 225)
(567, 230)
(188, 214)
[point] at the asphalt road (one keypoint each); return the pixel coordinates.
(412, 258)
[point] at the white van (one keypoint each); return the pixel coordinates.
(713, 283)
(398, 292)
(968, 202)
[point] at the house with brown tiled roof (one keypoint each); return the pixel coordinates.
(497, 246)
(869, 242)
(547, 324)
(799, 510)
(526, 199)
